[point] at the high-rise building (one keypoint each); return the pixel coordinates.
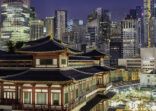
(130, 38)
(147, 23)
(60, 23)
(153, 22)
(98, 27)
(36, 29)
(15, 15)
(115, 44)
(75, 36)
(148, 67)
(49, 25)
(33, 14)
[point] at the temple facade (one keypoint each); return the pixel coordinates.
(47, 75)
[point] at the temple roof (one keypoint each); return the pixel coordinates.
(2, 52)
(81, 58)
(10, 71)
(46, 46)
(95, 69)
(38, 41)
(16, 57)
(48, 75)
(96, 100)
(94, 53)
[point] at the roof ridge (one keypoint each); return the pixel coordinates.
(18, 74)
(82, 71)
(40, 39)
(36, 45)
(62, 46)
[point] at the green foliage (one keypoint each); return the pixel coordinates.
(11, 47)
(19, 45)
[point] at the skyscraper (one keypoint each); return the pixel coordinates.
(148, 23)
(98, 28)
(49, 25)
(130, 38)
(15, 16)
(36, 29)
(60, 23)
(75, 35)
(115, 44)
(153, 22)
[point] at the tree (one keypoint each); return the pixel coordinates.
(19, 45)
(11, 47)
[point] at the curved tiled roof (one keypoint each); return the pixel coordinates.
(96, 100)
(95, 69)
(2, 52)
(16, 57)
(94, 53)
(47, 46)
(7, 71)
(48, 75)
(34, 42)
(81, 58)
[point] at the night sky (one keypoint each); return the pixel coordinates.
(81, 8)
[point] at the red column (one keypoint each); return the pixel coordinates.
(16, 92)
(2, 90)
(49, 96)
(62, 97)
(21, 94)
(33, 96)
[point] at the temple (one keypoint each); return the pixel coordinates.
(47, 75)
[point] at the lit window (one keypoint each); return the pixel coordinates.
(46, 61)
(56, 98)
(27, 97)
(63, 61)
(41, 98)
(66, 98)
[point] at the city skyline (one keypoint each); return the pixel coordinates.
(118, 8)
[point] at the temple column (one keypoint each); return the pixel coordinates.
(16, 95)
(33, 96)
(49, 96)
(62, 97)
(21, 94)
(2, 91)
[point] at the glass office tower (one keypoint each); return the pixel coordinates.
(15, 15)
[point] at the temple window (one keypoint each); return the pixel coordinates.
(27, 97)
(9, 95)
(46, 62)
(66, 98)
(63, 61)
(41, 98)
(77, 93)
(56, 98)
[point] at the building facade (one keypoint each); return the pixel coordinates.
(148, 66)
(75, 35)
(115, 44)
(130, 38)
(15, 16)
(60, 23)
(98, 29)
(36, 29)
(49, 24)
(46, 75)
